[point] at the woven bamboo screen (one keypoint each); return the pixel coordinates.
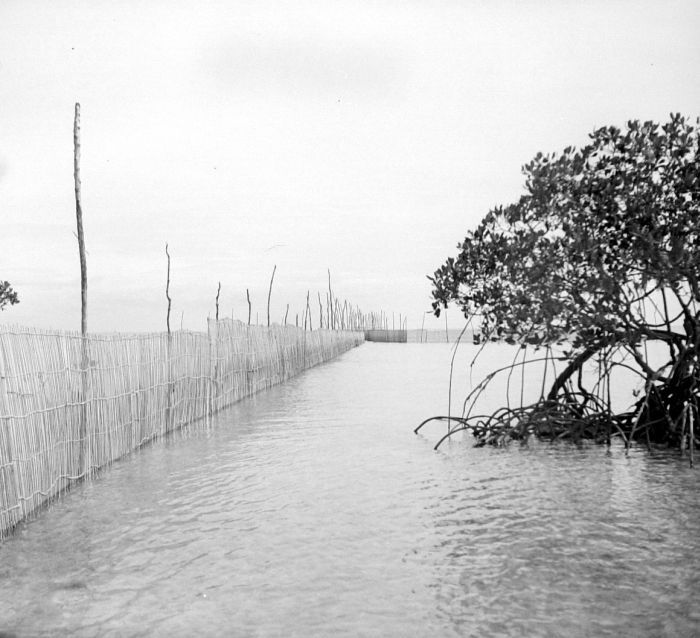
(69, 406)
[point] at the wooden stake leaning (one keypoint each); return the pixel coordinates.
(269, 294)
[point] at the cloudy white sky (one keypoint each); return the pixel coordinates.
(364, 137)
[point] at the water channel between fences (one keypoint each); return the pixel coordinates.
(311, 509)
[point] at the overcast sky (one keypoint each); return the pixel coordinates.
(364, 137)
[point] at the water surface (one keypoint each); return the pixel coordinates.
(313, 510)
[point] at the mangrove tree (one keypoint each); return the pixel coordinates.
(599, 256)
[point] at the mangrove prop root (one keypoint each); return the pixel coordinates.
(665, 414)
(662, 416)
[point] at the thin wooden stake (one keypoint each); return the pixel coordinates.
(308, 310)
(83, 460)
(79, 219)
(269, 294)
(247, 294)
(167, 289)
(330, 302)
(218, 290)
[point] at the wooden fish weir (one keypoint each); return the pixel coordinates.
(392, 336)
(60, 422)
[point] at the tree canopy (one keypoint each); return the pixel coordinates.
(8, 297)
(602, 250)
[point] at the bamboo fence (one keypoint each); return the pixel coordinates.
(389, 336)
(70, 405)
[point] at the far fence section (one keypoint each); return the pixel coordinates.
(70, 405)
(392, 336)
(440, 336)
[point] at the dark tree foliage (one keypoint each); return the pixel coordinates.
(8, 297)
(601, 253)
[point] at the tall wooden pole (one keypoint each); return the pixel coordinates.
(218, 290)
(308, 309)
(79, 218)
(83, 451)
(330, 303)
(167, 291)
(320, 311)
(269, 294)
(167, 423)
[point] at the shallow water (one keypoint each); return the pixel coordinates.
(313, 510)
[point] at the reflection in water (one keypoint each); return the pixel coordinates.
(312, 510)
